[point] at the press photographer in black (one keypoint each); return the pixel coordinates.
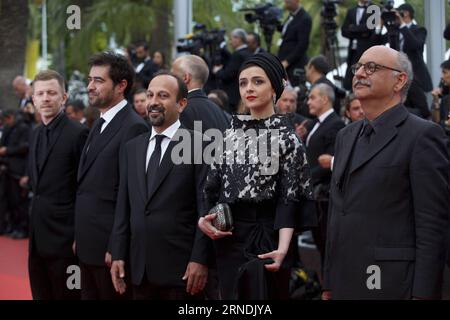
(295, 39)
(360, 36)
(411, 41)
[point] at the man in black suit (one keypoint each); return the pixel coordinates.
(320, 141)
(228, 74)
(110, 80)
(295, 39)
(145, 67)
(55, 152)
(194, 72)
(389, 203)
(14, 145)
(158, 210)
(360, 36)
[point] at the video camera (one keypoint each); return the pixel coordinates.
(203, 43)
(390, 21)
(328, 13)
(269, 18)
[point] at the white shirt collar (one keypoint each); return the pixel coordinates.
(325, 115)
(111, 113)
(241, 47)
(169, 132)
(195, 89)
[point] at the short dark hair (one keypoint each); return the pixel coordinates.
(445, 64)
(320, 63)
(77, 105)
(139, 91)
(46, 75)
(119, 68)
(182, 88)
(142, 44)
(256, 36)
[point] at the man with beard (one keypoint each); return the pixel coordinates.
(110, 80)
(168, 253)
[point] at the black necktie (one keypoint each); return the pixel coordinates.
(96, 131)
(366, 133)
(153, 164)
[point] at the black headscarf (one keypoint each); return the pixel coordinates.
(272, 67)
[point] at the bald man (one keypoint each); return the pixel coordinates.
(22, 90)
(389, 192)
(194, 72)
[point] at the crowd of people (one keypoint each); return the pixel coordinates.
(365, 168)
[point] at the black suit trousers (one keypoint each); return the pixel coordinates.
(48, 277)
(96, 284)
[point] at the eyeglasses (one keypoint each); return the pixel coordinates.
(370, 67)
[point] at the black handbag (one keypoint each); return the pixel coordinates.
(224, 219)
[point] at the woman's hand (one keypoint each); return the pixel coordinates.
(277, 256)
(205, 224)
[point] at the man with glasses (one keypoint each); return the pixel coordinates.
(389, 202)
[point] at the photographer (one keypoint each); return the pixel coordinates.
(228, 73)
(360, 36)
(411, 41)
(295, 39)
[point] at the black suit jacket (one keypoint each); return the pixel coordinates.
(98, 184)
(200, 108)
(159, 234)
(296, 41)
(364, 36)
(54, 188)
(228, 75)
(146, 74)
(16, 140)
(392, 213)
(322, 142)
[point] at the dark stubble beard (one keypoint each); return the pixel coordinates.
(101, 103)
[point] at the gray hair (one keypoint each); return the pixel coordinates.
(196, 67)
(240, 33)
(325, 90)
(405, 65)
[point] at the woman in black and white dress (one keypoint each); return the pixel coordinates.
(263, 176)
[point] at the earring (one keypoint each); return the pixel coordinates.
(274, 98)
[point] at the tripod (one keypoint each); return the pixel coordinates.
(332, 50)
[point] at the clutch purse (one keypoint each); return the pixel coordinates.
(224, 218)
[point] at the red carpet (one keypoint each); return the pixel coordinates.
(14, 284)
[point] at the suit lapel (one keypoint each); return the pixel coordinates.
(349, 139)
(141, 157)
(386, 133)
(164, 169)
(102, 140)
(59, 130)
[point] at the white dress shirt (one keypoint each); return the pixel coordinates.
(168, 133)
(109, 115)
(321, 119)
